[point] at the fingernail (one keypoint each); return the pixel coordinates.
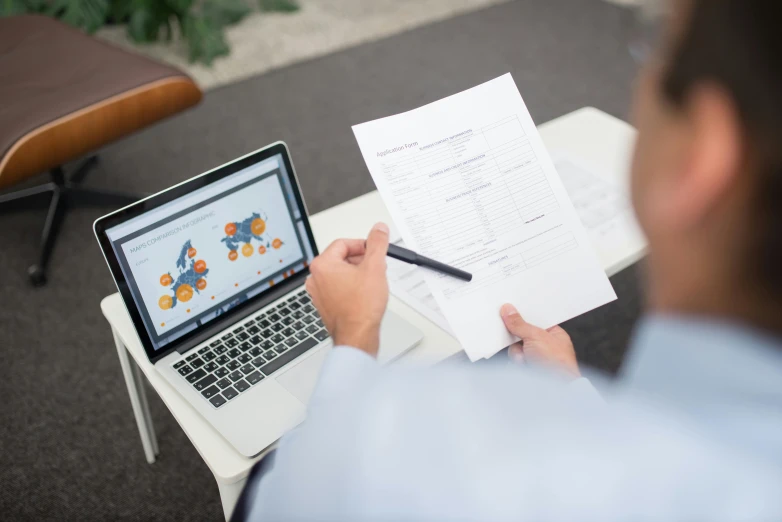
(381, 227)
(516, 354)
(507, 310)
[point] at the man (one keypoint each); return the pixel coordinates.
(692, 427)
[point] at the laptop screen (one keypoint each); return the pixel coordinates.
(196, 257)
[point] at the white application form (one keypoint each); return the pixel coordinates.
(468, 182)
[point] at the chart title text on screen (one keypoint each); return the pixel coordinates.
(171, 232)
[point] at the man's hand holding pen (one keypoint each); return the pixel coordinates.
(349, 288)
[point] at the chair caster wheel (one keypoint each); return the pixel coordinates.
(37, 275)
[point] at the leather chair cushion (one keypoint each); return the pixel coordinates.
(64, 94)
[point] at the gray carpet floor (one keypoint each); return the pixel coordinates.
(70, 448)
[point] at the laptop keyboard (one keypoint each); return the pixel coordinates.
(255, 349)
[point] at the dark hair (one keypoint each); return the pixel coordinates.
(737, 45)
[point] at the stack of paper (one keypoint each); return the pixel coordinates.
(605, 211)
(468, 182)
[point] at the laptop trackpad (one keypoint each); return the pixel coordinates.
(301, 379)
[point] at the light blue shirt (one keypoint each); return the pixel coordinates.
(690, 430)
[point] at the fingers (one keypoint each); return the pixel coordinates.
(355, 260)
(516, 352)
(517, 325)
(309, 285)
(344, 248)
(312, 288)
(377, 244)
(355, 251)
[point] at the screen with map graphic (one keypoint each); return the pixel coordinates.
(193, 259)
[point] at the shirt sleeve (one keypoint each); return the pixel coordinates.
(406, 443)
(342, 371)
(345, 371)
(584, 391)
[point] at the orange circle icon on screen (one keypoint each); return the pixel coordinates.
(261, 249)
(247, 250)
(200, 266)
(230, 229)
(166, 280)
(184, 293)
(165, 302)
(191, 252)
(232, 255)
(277, 243)
(258, 226)
(201, 284)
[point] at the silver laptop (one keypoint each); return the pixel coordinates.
(212, 274)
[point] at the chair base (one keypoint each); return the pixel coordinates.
(64, 193)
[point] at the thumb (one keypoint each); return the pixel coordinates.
(377, 244)
(517, 325)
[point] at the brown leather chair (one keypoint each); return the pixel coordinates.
(63, 95)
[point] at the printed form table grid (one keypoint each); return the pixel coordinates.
(500, 187)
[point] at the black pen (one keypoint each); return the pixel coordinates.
(408, 256)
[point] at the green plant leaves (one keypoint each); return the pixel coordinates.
(282, 6)
(203, 27)
(120, 10)
(225, 12)
(177, 6)
(144, 18)
(16, 7)
(13, 7)
(205, 40)
(143, 25)
(36, 6)
(89, 15)
(201, 21)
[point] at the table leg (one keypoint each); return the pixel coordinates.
(142, 394)
(229, 494)
(138, 399)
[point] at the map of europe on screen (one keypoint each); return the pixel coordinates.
(190, 280)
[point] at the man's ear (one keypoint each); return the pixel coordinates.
(713, 158)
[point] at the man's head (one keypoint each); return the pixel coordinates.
(707, 172)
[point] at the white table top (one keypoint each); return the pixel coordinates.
(602, 140)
